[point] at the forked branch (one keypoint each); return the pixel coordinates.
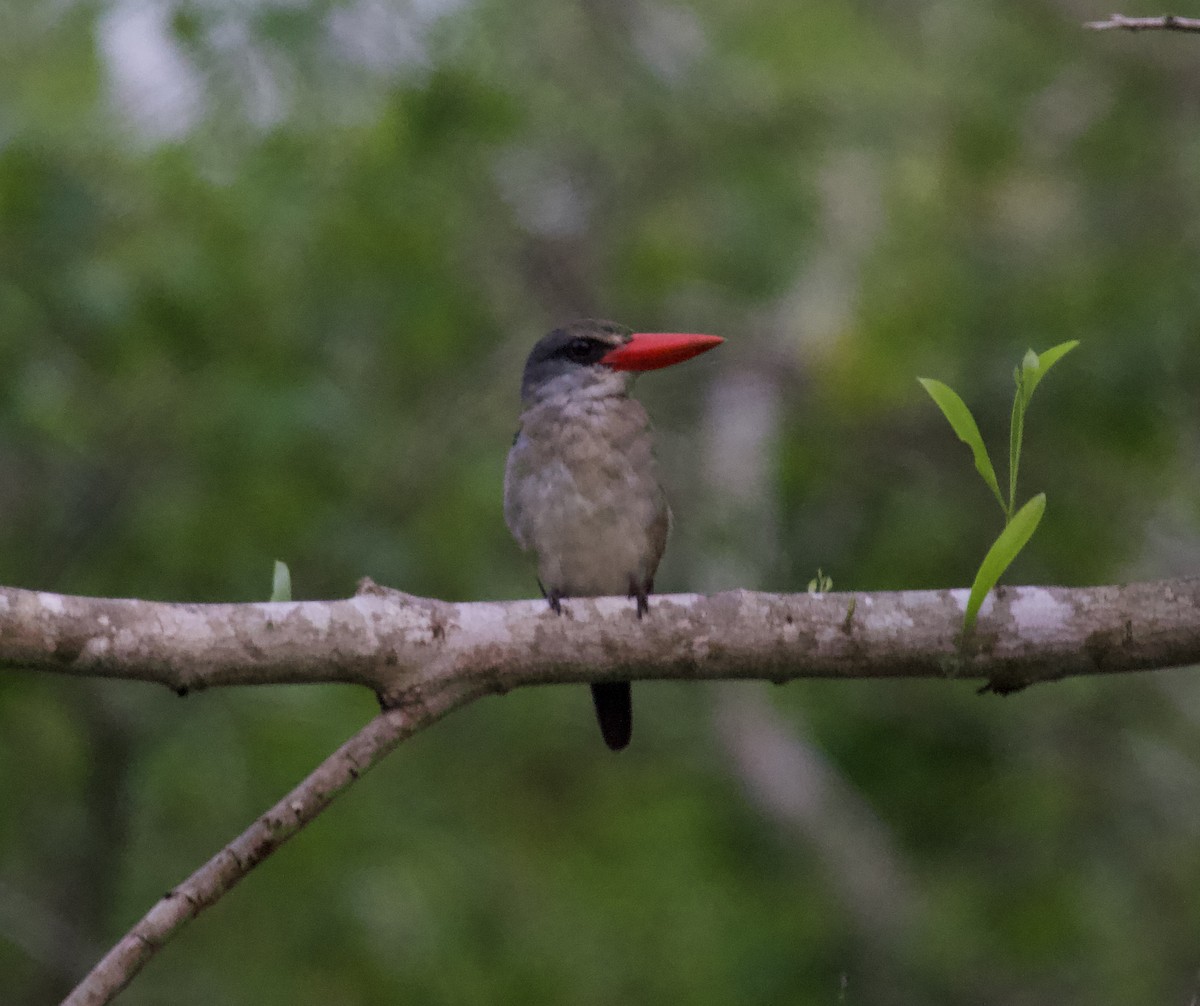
(424, 658)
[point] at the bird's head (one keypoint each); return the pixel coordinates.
(602, 357)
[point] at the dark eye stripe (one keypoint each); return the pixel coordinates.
(582, 351)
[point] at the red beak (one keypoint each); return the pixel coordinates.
(652, 350)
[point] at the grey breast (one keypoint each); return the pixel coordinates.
(582, 494)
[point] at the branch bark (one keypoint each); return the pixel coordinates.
(206, 886)
(424, 658)
(1167, 22)
(408, 648)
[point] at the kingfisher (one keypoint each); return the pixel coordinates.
(581, 489)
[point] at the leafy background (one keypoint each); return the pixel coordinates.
(268, 272)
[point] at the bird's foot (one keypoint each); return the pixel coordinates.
(641, 593)
(553, 598)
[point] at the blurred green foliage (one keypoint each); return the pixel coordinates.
(268, 273)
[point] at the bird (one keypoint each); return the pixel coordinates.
(581, 489)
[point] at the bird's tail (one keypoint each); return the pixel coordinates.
(614, 710)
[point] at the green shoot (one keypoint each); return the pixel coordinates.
(820, 584)
(281, 582)
(1019, 525)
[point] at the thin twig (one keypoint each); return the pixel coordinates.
(1167, 22)
(206, 886)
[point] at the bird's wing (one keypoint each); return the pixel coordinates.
(660, 531)
(512, 502)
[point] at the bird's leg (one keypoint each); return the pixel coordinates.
(641, 591)
(554, 597)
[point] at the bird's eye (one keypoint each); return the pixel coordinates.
(579, 349)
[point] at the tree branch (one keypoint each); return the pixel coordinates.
(206, 886)
(424, 658)
(408, 649)
(1167, 22)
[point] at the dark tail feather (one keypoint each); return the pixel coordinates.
(614, 709)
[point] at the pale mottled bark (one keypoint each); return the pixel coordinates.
(407, 647)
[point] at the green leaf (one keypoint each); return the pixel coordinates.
(959, 416)
(1030, 362)
(1000, 556)
(1016, 436)
(1033, 368)
(1042, 362)
(281, 582)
